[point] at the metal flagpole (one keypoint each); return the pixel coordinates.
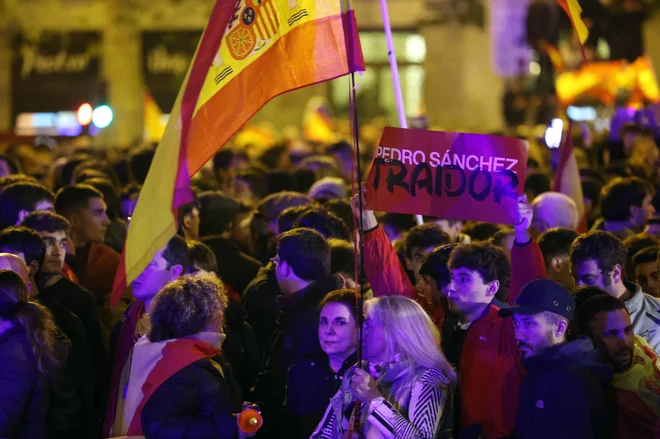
(396, 81)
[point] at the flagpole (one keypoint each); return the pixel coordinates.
(396, 80)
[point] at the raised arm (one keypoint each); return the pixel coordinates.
(526, 258)
(381, 263)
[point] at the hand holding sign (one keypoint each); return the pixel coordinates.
(448, 175)
(369, 220)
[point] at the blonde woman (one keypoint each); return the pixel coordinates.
(405, 383)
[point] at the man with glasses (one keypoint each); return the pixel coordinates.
(598, 259)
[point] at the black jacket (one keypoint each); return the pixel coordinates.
(22, 409)
(260, 302)
(309, 387)
(198, 402)
(295, 340)
(235, 268)
(565, 394)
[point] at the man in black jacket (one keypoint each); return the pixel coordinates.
(563, 393)
(302, 269)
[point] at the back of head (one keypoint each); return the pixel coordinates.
(398, 222)
(176, 253)
(307, 253)
(480, 231)
(556, 243)
(584, 293)
(436, 265)
(202, 258)
(647, 255)
(21, 196)
(593, 306)
(288, 218)
(620, 194)
(486, 259)
(499, 239)
(591, 190)
(604, 248)
(327, 188)
(342, 255)
(325, 222)
(536, 183)
(418, 343)
(72, 198)
(139, 164)
(46, 222)
(23, 242)
(34, 318)
(16, 178)
(638, 242)
(271, 206)
(342, 208)
(425, 236)
(216, 212)
(555, 209)
(187, 306)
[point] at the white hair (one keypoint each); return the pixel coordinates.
(557, 210)
(410, 334)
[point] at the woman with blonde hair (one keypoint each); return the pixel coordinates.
(27, 339)
(405, 383)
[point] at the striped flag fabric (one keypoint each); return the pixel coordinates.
(250, 52)
(567, 179)
(574, 12)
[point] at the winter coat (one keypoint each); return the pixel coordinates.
(22, 405)
(198, 402)
(563, 394)
(644, 312)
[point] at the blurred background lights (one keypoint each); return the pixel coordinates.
(102, 116)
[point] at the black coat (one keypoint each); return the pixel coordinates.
(198, 402)
(309, 387)
(260, 302)
(565, 394)
(295, 340)
(235, 268)
(22, 405)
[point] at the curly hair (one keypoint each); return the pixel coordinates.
(487, 260)
(606, 249)
(187, 306)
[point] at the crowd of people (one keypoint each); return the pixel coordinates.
(468, 330)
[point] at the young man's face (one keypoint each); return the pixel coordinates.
(92, 221)
(642, 213)
(587, 273)
(468, 290)
(648, 277)
(56, 244)
(414, 260)
(613, 334)
(534, 334)
(154, 278)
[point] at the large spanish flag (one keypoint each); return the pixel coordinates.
(250, 52)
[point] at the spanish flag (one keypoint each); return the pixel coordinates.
(574, 11)
(250, 52)
(567, 179)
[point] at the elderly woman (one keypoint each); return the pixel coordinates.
(404, 385)
(180, 386)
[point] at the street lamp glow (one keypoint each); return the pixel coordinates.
(85, 114)
(102, 116)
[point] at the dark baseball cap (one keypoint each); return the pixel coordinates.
(542, 295)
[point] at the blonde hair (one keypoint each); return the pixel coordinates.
(35, 319)
(410, 334)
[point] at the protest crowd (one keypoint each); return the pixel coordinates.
(542, 329)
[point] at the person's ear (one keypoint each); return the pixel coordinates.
(186, 221)
(33, 268)
(285, 268)
(634, 211)
(492, 288)
(176, 271)
(21, 216)
(560, 328)
(74, 219)
(617, 274)
(556, 264)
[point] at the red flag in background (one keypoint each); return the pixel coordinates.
(567, 179)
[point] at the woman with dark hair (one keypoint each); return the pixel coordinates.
(180, 386)
(405, 384)
(27, 339)
(311, 384)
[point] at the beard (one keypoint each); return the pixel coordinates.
(622, 359)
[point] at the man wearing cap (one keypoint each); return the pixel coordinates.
(563, 393)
